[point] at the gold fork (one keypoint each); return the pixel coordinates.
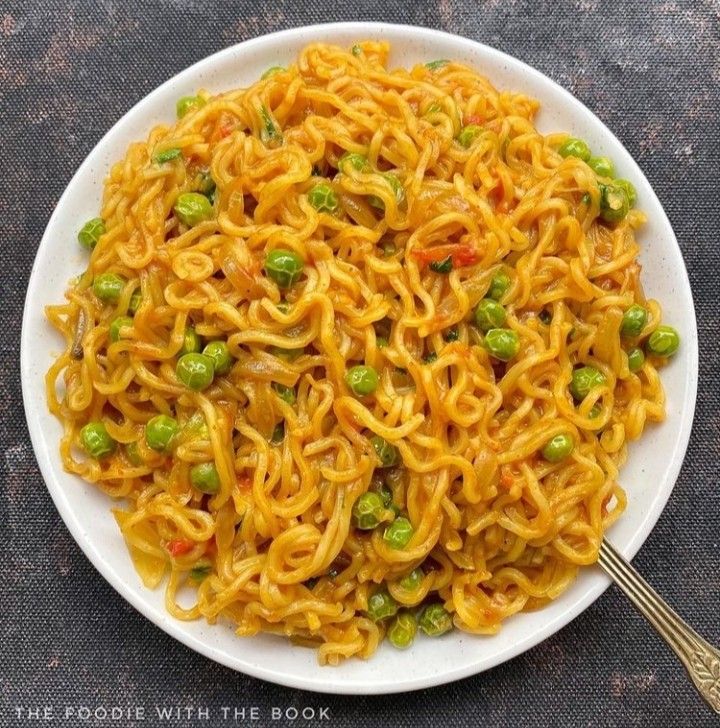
(701, 659)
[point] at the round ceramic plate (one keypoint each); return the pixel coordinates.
(648, 476)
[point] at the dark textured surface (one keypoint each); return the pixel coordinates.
(68, 71)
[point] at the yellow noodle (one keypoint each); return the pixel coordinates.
(496, 528)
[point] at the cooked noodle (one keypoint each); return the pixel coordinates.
(496, 527)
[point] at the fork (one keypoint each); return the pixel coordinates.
(701, 659)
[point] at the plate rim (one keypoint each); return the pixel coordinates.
(174, 627)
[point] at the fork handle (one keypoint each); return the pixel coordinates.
(701, 660)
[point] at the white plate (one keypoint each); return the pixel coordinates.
(648, 476)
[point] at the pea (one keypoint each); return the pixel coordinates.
(629, 189)
(489, 314)
(395, 185)
(402, 630)
(633, 320)
(221, 357)
(108, 287)
(191, 342)
(272, 71)
(160, 432)
(503, 344)
(117, 324)
(435, 65)
(575, 148)
(558, 448)
(135, 301)
(398, 533)
(602, 166)
(90, 233)
(192, 208)
(636, 359)
(186, 104)
(287, 354)
(205, 477)
(283, 266)
(368, 510)
(362, 379)
(353, 160)
(381, 605)
(287, 394)
(132, 451)
(166, 155)
(412, 581)
(96, 440)
(468, 134)
(356, 50)
(664, 341)
(442, 266)
(278, 434)
(388, 248)
(323, 199)
(498, 285)
(435, 620)
(195, 371)
(387, 454)
(584, 379)
(614, 204)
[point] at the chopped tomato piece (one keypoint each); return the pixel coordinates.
(180, 546)
(473, 119)
(244, 483)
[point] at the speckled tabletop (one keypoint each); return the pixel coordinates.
(68, 71)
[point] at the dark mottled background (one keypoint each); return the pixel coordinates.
(69, 70)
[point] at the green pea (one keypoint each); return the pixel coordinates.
(286, 354)
(503, 344)
(558, 448)
(191, 342)
(435, 65)
(498, 285)
(575, 148)
(442, 266)
(135, 301)
(323, 199)
(664, 341)
(402, 630)
(96, 440)
(160, 432)
(412, 581)
(584, 379)
(186, 104)
(117, 324)
(132, 451)
(205, 477)
(602, 166)
(353, 160)
(398, 533)
(430, 358)
(489, 314)
(287, 394)
(108, 287)
(284, 266)
(381, 605)
(192, 208)
(633, 320)
(435, 620)
(368, 510)
(195, 371)
(395, 185)
(388, 248)
(629, 189)
(614, 204)
(221, 357)
(468, 134)
(272, 71)
(387, 454)
(636, 358)
(451, 335)
(362, 379)
(356, 50)
(278, 434)
(166, 155)
(90, 233)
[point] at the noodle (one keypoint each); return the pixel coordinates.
(390, 280)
